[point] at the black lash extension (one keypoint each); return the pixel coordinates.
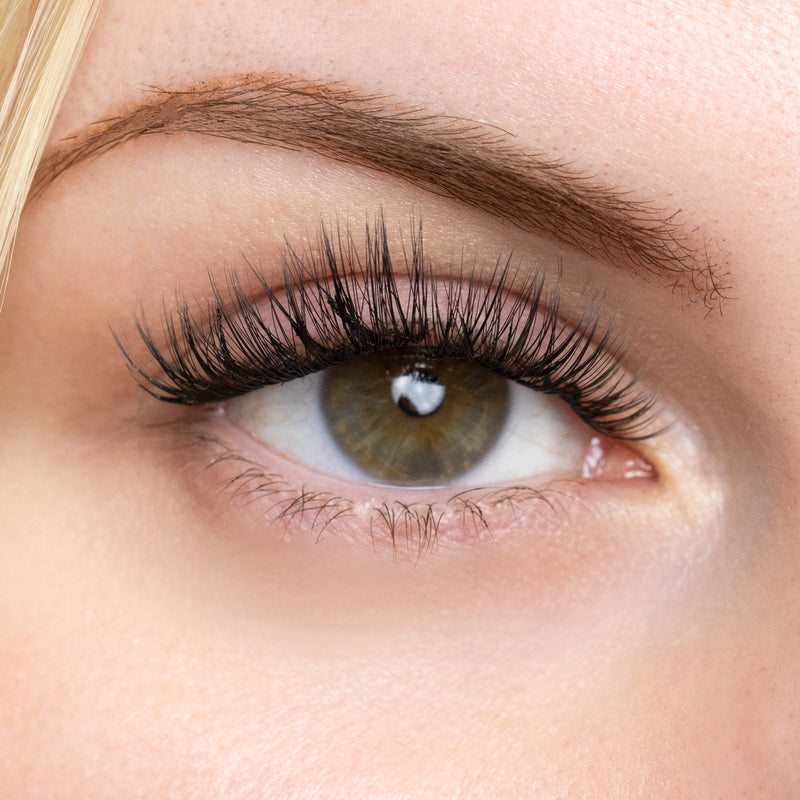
(339, 303)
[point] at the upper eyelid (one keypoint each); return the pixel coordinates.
(355, 306)
(461, 159)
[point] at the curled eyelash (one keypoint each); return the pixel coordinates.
(338, 303)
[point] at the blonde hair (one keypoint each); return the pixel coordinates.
(40, 43)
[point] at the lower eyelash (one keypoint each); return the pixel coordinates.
(337, 305)
(405, 528)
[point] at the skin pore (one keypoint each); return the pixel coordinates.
(162, 636)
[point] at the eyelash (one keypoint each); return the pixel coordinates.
(335, 305)
(409, 527)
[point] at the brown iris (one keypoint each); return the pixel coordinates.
(410, 420)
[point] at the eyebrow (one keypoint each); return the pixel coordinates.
(454, 157)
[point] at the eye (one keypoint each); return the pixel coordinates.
(400, 419)
(365, 388)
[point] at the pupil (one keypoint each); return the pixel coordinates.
(418, 392)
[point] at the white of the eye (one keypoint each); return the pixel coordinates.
(541, 437)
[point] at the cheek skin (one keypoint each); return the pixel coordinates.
(190, 704)
(203, 666)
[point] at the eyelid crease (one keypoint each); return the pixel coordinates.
(336, 304)
(462, 159)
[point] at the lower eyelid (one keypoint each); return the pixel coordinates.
(297, 504)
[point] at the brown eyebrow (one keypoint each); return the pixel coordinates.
(453, 157)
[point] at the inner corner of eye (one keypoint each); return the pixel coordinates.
(398, 418)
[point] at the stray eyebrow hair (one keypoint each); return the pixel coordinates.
(453, 157)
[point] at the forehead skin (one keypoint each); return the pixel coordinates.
(689, 105)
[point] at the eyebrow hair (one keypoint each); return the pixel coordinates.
(453, 157)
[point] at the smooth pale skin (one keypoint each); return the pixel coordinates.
(159, 640)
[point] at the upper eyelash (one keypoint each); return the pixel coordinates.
(336, 304)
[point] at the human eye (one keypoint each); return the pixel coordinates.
(381, 396)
